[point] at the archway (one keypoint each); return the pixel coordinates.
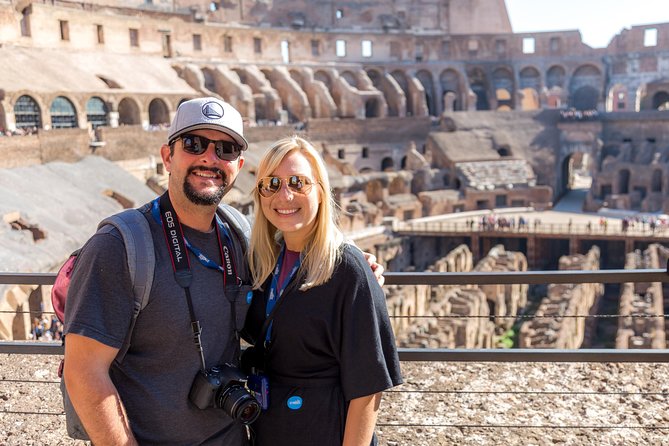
(158, 113)
(585, 88)
(425, 78)
(530, 86)
(575, 174)
(128, 112)
(656, 181)
(479, 86)
(617, 98)
(63, 114)
(403, 82)
(387, 164)
(624, 181)
(555, 77)
(450, 83)
(502, 81)
(350, 78)
(96, 112)
(661, 100)
(27, 113)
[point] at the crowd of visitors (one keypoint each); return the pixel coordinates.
(46, 329)
(578, 115)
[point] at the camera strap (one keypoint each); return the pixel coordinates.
(176, 245)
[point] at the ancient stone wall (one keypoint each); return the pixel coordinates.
(640, 303)
(559, 321)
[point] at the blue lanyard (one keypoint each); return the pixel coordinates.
(230, 269)
(274, 291)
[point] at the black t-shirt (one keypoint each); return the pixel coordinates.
(329, 345)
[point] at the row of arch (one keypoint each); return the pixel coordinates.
(63, 113)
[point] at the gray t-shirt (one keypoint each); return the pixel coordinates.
(156, 375)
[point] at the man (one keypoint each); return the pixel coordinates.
(145, 399)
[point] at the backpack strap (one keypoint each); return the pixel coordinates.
(141, 258)
(242, 230)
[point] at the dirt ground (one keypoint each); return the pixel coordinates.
(439, 404)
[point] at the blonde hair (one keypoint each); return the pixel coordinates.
(322, 250)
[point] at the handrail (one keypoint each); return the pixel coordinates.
(459, 278)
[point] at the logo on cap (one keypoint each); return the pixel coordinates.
(212, 110)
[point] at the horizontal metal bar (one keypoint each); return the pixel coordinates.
(27, 278)
(529, 277)
(31, 347)
(533, 355)
(469, 278)
(436, 355)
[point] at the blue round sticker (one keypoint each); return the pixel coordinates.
(249, 296)
(294, 402)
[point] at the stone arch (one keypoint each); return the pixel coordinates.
(398, 186)
(324, 77)
(374, 191)
(27, 113)
(617, 98)
(387, 163)
(585, 87)
(530, 78)
(402, 80)
(503, 85)
(128, 112)
(425, 78)
(63, 114)
(656, 181)
(350, 78)
(159, 114)
(297, 77)
(450, 82)
(372, 108)
(478, 83)
(623, 181)
(661, 100)
(555, 77)
(97, 112)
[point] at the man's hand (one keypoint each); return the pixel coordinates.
(377, 268)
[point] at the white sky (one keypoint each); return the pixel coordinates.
(598, 20)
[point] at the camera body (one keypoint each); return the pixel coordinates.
(224, 387)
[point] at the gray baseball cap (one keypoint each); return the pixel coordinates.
(208, 113)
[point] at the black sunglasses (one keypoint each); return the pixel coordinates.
(197, 145)
(297, 184)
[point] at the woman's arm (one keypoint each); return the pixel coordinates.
(361, 419)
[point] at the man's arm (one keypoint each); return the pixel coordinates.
(361, 419)
(92, 392)
(377, 268)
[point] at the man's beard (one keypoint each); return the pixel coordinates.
(203, 198)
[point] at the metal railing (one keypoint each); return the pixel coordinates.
(446, 355)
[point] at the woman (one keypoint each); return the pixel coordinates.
(319, 320)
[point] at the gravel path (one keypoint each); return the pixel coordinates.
(519, 399)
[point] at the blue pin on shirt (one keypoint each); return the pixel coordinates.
(294, 402)
(249, 297)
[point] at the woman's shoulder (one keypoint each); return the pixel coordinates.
(351, 259)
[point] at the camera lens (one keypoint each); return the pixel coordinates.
(239, 404)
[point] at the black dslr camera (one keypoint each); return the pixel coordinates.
(223, 387)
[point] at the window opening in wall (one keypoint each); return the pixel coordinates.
(257, 45)
(365, 152)
(134, 37)
(213, 6)
(27, 113)
(25, 21)
(445, 49)
(285, 51)
(341, 154)
(473, 47)
(197, 42)
(227, 44)
(500, 201)
(650, 37)
(621, 101)
(315, 47)
(340, 48)
(627, 139)
(555, 44)
(419, 52)
(167, 44)
(500, 47)
(339, 13)
(63, 115)
(651, 140)
(64, 30)
(100, 32)
(528, 45)
(17, 223)
(366, 48)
